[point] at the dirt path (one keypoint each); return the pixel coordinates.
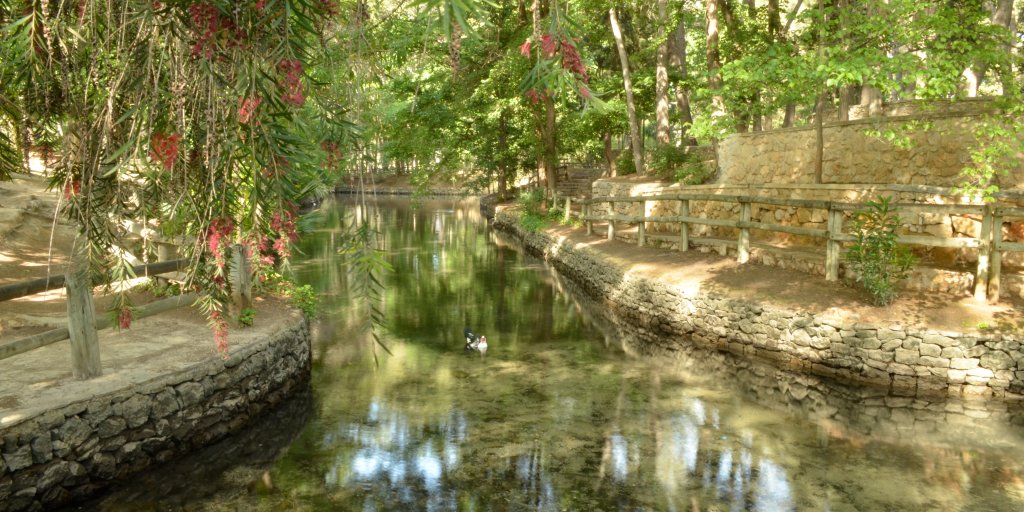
(710, 273)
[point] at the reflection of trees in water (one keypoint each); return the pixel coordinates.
(957, 446)
(562, 414)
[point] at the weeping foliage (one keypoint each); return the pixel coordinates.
(187, 116)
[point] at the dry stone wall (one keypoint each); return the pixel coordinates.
(935, 155)
(907, 360)
(68, 454)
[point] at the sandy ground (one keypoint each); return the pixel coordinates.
(33, 244)
(706, 273)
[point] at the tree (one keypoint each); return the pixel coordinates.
(634, 126)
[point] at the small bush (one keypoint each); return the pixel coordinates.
(692, 173)
(246, 317)
(875, 256)
(624, 163)
(304, 298)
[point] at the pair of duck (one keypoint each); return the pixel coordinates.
(474, 342)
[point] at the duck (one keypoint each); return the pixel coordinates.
(474, 342)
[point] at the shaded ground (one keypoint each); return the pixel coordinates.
(32, 245)
(710, 273)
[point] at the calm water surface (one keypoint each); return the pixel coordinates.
(568, 410)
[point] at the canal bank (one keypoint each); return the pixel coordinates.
(929, 347)
(165, 392)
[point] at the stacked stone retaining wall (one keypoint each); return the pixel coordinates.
(67, 454)
(903, 359)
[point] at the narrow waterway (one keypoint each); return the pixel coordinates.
(568, 409)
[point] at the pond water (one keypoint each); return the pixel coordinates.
(568, 410)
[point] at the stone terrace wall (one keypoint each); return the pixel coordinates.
(907, 360)
(68, 454)
(940, 269)
(935, 157)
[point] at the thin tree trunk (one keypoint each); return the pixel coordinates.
(661, 77)
(455, 48)
(678, 58)
(819, 132)
(550, 148)
(634, 127)
(714, 65)
(503, 173)
(609, 158)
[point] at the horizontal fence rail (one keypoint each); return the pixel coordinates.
(43, 339)
(83, 322)
(43, 284)
(989, 243)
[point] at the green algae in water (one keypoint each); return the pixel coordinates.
(570, 410)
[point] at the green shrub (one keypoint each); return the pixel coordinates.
(624, 163)
(246, 317)
(692, 173)
(304, 298)
(875, 257)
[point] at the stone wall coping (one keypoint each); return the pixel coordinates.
(152, 375)
(860, 187)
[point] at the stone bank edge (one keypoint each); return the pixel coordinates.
(67, 454)
(908, 360)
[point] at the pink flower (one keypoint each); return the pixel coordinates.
(525, 48)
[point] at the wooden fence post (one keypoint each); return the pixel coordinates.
(611, 223)
(997, 258)
(984, 253)
(834, 228)
(85, 346)
(586, 214)
(684, 227)
(743, 244)
(641, 237)
(241, 277)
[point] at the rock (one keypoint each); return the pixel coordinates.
(18, 459)
(54, 475)
(998, 360)
(135, 410)
(958, 363)
(111, 427)
(909, 357)
(74, 432)
(801, 338)
(927, 349)
(938, 339)
(42, 448)
(888, 334)
(164, 404)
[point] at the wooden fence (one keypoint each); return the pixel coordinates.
(990, 244)
(82, 320)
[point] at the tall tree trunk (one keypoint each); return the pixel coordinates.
(661, 77)
(678, 58)
(609, 157)
(819, 132)
(1002, 16)
(634, 127)
(550, 148)
(455, 48)
(546, 126)
(714, 65)
(503, 166)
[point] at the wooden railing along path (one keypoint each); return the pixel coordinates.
(990, 244)
(83, 322)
